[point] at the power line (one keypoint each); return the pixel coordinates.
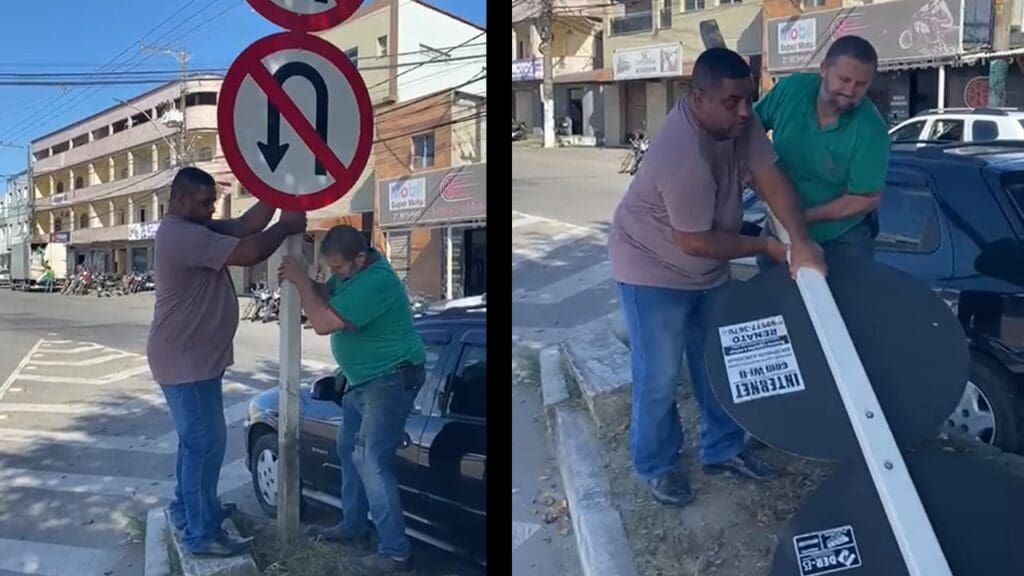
(446, 53)
(34, 117)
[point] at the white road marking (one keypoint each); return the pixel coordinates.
(524, 220)
(521, 532)
(52, 342)
(233, 475)
(35, 438)
(108, 379)
(17, 369)
(567, 287)
(87, 362)
(81, 408)
(46, 559)
(89, 347)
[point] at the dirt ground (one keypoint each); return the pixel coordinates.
(730, 528)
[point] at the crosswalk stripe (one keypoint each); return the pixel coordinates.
(569, 286)
(87, 362)
(233, 475)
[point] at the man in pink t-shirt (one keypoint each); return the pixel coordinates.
(672, 238)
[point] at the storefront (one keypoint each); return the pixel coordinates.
(435, 230)
(133, 255)
(527, 75)
(640, 98)
(913, 60)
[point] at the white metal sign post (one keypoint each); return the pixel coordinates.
(910, 524)
(296, 126)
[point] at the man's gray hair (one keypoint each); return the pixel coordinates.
(345, 241)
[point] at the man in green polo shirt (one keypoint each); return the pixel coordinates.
(833, 144)
(365, 309)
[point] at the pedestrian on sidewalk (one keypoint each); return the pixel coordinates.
(190, 341)
(834, 145)
(672, 237)
(365, 309)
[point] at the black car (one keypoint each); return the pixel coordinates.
(441, 465)
(953, 216)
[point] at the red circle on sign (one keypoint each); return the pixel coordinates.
(250, 61)
(298, 22)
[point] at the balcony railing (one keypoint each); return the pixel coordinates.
(635, 23)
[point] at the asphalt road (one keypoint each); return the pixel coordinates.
(86, 445)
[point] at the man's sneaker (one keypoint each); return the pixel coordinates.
(223, 546)
(672, 489)
(381, 564)
(226, 510)
(337, 535)
(745, 465)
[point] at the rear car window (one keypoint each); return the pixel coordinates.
(1013, 183)
(984, 131)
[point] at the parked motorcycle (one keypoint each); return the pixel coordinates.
(638, 145)
(519, 130)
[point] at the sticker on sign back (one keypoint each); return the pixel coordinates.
(759, 359)
(827, 551)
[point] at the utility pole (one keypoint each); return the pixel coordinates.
(547, 90)
(1002, 19)
(182, 56)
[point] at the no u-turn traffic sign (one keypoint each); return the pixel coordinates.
(296, 123)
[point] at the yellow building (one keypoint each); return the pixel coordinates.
(101, 185)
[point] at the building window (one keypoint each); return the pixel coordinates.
(691, 5)
(353, 55)
(120, 126)
(423, 151)
(62, 147)
(58, 225)
(813, 3)
(142, 214)
(124, 172)
(724, 2)
(382, 46)
(78, 183)
(83, 221)
(122, 218)
(201, 99)
(520, 50)
(206, 153)
(60, 187)
(160, 212)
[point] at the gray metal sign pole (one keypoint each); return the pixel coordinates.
(910, 524)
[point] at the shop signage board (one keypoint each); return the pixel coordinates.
(434, 197)
(900, 31)
(658, 61)
(527, 69)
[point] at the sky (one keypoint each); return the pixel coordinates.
(84, 35)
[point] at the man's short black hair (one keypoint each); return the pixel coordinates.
(717, 64)
(188, 180)
(852, 47)
(345, 241)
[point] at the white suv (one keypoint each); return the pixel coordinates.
(961, 125)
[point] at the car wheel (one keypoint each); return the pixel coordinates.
(263, 466)
(989, 410)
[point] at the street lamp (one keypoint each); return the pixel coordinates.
(170, 146)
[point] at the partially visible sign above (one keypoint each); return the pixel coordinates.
(438, 196)
(306, 15)
(648, 62)
(527, 69)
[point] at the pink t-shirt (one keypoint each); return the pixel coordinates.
(196, 313)
(690, 182)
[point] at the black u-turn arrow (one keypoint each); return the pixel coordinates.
(273, 150)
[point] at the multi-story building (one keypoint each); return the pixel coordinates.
(15, 216)
(652, 45)
(101, 185)
(577, 61)
(431, 192)
(405, 50)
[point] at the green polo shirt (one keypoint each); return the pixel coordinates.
(850, 156)
(382, 335)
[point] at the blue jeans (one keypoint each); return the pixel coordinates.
(372, 428)
(197, 409)
(662, 324)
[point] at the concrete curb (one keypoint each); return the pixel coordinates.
(600, 364)
(243, 565)
(600, 537)
(158, 558)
